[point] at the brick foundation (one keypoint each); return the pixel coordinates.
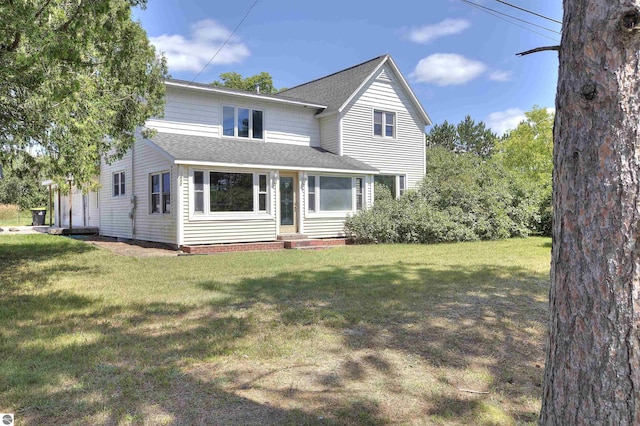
(265, 246)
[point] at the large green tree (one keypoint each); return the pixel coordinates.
(77, 78)
(467, 136)
(528, 151)
(232, 80)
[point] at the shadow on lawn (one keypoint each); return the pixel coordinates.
(451, 318)
(69, 358)
(18, 253)
(122, 366)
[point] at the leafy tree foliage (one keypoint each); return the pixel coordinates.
(462, 198)
(467, 136)
(528, 151)
(20, 183)
(76, 80)
(233, 80)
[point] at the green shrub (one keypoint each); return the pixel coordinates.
(462, 198)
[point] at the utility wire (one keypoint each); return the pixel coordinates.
(511, 16)
(507, 20)
(225, 43)
(529, 11)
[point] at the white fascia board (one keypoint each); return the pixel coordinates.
(407, 89)
(425, 117)
(274, 167)
(365, 81)
(214, 89)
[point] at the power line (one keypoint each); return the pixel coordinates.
(529, 11)
(225, 42)
(507, 20)
(512, 17)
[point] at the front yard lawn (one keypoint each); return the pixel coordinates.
(358, 335)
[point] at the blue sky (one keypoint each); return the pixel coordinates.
(458, 59)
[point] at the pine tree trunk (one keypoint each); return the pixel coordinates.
(592, 373)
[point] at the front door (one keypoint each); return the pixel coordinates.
(288, 203)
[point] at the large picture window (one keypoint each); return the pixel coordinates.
(334, 193)
(242, 122)
(230, 192)
(216, 192)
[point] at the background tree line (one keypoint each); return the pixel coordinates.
(477, 186)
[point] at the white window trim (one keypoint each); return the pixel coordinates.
(212, 216)
(151, 212)
(397, 184)
(120, 173)
(384, 123)
(333, 213)
(235, 121)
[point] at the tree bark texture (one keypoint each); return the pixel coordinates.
(592, 374)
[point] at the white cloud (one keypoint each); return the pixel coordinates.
(501, 121)
(499, 75)
(184, 54)
(428, 33)
(445, 69)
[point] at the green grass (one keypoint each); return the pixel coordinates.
(22, 218)
(385, 334)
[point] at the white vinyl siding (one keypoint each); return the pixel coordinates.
(114, 211)
(329, 138)
(196, 113)
(324, 227)
(403, 154)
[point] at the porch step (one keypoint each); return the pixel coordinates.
(314, 244)
(80, 230)
(289, 237)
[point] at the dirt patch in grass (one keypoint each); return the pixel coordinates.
(374, 335)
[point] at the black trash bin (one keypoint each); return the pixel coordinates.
(37, 216)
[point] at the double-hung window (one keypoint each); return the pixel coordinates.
(397, 184)
(217, 192)
(242, 122)
(118, 184)
(334, 193)
(384, 124)
(160, 184)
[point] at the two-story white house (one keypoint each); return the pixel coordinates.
(229, 166)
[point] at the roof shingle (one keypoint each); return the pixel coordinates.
(187, 148)
(334, 90)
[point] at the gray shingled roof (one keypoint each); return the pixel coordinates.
(213, 150)
(334, 90)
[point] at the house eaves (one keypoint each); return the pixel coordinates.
(242, 94)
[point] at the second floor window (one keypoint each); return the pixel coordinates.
(242, 122)
(384, 124)
(118, 184)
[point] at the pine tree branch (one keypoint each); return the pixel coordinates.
(539, 49)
